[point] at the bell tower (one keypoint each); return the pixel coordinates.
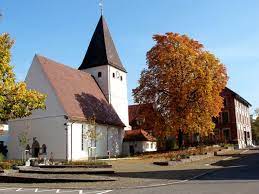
(103, 63)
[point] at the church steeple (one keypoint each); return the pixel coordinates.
(101, 50)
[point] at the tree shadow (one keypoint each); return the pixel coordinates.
(245, 169)
(100, 109)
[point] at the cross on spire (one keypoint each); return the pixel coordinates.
(101, 6)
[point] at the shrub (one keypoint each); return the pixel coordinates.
(228, 145)
(171, 144)
(175, 158)
(5, 165)
(172, 155)
(8, 164)
(184, 156)
(2, 157)
(17, 162)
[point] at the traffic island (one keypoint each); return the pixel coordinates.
(187, 157)
(58, 174)
(184, 160)
(40, 178)
(67, 170)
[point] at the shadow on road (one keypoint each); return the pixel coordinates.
(237, 168)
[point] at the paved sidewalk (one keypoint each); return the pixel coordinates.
(141, 172)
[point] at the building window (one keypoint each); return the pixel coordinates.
(99, 74)
(82, 138)
(248, 135)
(225, 102)
(147, 145)
(121, 78)
(215, 120)
(113, 75)
(225, 117)
(226, 133)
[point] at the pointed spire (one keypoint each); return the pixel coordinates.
(101, 50)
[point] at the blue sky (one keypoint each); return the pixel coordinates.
(62, 29)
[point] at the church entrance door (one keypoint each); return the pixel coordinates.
(131, 148)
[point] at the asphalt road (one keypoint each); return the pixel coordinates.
(235, 177)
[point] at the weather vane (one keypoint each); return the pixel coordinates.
(101, 6)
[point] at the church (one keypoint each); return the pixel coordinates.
(97, 89)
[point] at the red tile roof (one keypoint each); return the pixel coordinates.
(138, 135)
(78, 93)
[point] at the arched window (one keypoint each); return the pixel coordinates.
(99, 74)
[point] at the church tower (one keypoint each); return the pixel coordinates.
(103, 63)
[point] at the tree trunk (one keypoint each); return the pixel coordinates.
(180, 138)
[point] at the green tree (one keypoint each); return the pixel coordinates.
(16, 101)
(184, 82)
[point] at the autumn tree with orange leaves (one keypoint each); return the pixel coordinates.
(184, 82)
(16, 100)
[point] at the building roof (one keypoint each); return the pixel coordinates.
(138, 135)
(101, 50)
(238, 97)
(78, 93)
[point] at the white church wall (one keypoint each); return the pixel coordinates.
(108, 139)
(114, 89)
(118, 92)
(49, 121)
(49, 131)
(115, 141)
(79, 152)
(36, 79)
(103, 80)
(101, 143)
